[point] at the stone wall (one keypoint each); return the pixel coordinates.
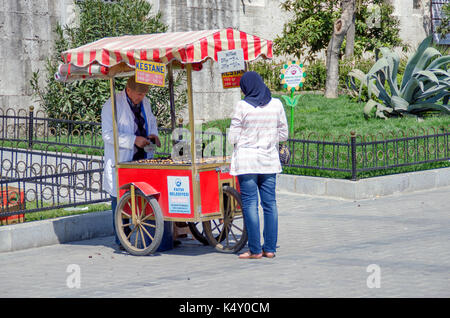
(186, 15)
(415, 20)
(26, 39)
(262, 17)
(211, 101)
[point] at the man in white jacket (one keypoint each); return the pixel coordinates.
(136, 127)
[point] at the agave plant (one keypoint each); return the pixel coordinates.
(424, 85)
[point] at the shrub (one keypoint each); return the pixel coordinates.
(316, 73)
(270, 72)
(424, 85)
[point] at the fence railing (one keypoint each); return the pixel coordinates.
(354, 154)
(48, 180)
(49, 163)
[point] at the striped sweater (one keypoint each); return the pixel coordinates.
(255, 133)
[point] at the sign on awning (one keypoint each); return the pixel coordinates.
(150, 73)
(231, 60)
(232, 66)
(232, 79)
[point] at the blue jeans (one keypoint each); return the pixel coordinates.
(250, 185)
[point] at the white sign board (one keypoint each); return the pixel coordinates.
(293, 75)
(230, 61)
(179, 194)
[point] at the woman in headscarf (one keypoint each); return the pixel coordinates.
(258, 124)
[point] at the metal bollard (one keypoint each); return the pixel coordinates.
(353, 154)
(30, 127)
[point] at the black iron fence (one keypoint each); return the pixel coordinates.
(49, 163)
(355, 154)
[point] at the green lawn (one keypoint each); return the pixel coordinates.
(319, 118)
(316, 117)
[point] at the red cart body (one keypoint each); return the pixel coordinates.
(185, 202)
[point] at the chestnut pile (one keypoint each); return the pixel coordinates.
(170, 161)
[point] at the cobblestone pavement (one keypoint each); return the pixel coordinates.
(394, 246)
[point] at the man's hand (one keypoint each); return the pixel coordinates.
(141, 141)
(155, 140)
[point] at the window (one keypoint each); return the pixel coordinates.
(437, 16)
(417, 4)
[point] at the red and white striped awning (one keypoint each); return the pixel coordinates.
(185, 47)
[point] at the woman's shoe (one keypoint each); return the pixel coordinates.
(268, 254)
(248, 255)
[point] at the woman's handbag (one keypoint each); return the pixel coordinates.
(285, 154)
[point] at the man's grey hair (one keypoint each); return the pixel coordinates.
(137, 87)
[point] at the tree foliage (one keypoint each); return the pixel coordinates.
(97, 19)
(310, 29)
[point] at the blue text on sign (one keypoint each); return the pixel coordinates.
(150, 67)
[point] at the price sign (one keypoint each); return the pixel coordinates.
(232, 79)
(231, 60)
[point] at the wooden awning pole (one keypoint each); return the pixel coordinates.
(172, 97)
(115, 133)
(191, 114)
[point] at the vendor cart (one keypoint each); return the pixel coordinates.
(196, 190)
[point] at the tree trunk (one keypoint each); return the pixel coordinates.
(350, 38)
(341, 27)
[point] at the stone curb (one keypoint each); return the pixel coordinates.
(365, 188)
(55, 231)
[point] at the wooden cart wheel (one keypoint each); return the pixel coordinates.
(197, 231)
(229, 234)
(143, 235)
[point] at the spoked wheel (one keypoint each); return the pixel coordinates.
(143, 234)
(198, 233)
(229, 234)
